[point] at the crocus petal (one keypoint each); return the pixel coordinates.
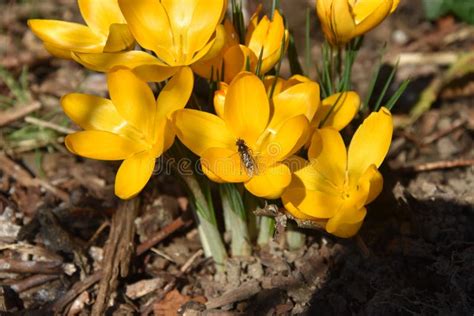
(212, 176)
(144, 65)
(342, 22)
(294, 211)
(302, 98)
(193, 22)
(145, 18)
(134, 174)
(247, 109)
(176, 93)
(100, 15)
(370, 143)
(225, 164)
(102, 145)
(328, 156)
(394, 5)
(347, 222)
(199, 131)
(374, 180)
(337, 110)
(312, 203)
(219, 99)
(133, 99)
(290, 136)
(119, 39)
(57, 51)
(235, 61)
(368, 14)
(67, 35)
(270, 183)
(96, 113)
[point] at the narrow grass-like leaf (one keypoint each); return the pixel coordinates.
(307, 46)
(396, 96)
(295, 66)
(385, 88)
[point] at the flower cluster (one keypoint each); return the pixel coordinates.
(280, 137)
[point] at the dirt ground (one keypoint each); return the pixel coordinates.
(414, 254)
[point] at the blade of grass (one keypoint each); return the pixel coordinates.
(386, 86)
(393, 100)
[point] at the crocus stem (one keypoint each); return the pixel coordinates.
(235, 218)
(206, 220)
(295, 238)
(266, 231)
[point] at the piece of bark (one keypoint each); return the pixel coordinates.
(118, 252)
(75, 291)
(243, 292)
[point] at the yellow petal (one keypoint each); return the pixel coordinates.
(253, 23)
(212, 176)
(119, 39)
(200, 131)
(374, 180)
(66, 35)
(218, 45)
(394, 5)
(133, 99)
(370, 143)
(219, 99)
(235, 61)
(342, 22)
(102, 145)
(290, 136)
(369, 18)
(144, 65)
(96, 113)
(225, 164)
(302, 98)
(312, 203)
(337, 110)
(134, 174)
(150, 25)
(176, 93)
(270, 183)
(324, 11)
(294, 211)
(57, 51)
(347, 222)
(369, 13)
(193, 22)
(266, 39)
(100, 15)
(328, 156)
(247, 109)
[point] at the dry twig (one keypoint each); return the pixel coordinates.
(162, 234)
(16, 113)
(118, 252)
(15, 171)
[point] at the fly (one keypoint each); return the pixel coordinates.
(246, 157)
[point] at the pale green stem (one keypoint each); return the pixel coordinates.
(206, 221)
(235, 219)
(267, 229)
(295, 239)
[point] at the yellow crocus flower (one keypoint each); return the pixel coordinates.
(105, 31)
(333, 188)
(250, 137)
(178, 32)
(263, 36)
(132, 126)
(342, 20)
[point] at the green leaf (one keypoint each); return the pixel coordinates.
(460, 8)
